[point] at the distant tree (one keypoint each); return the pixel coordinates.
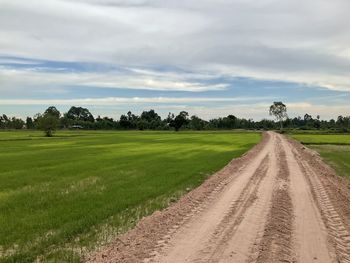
(124, 122)
(340, 120)
(130, 115)
(80, 114)
(279, 110)
(53, 112)
(179, 120)
(230, 122)
(104, 123)
(196, 123)
(307, 117)
(51, 120)
(170, 117)
(48, 123)
(30, 123)
(150, 116)
(128, 121)
(149, 120)
(5, 118)
(65, 122)
(317, 122)
(2, 121)
(265, 124)
(17, 123)
(142, 124)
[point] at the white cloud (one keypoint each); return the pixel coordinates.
(119, 100)
(304, 41)
(260, 110)
(12, 78)
(213, 108)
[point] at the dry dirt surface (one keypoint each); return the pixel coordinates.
(277, 203)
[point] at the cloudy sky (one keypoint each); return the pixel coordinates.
(209, 57)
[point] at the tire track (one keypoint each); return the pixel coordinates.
(226, 229)
(276, 244)
(203, 239)
(310, 234)
(244, 241)
(339, 236)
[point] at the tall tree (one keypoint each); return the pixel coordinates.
(47, 123)
(29, 123)
(80, 114)
(179, 120)
(196, 123)
(279, 110)
(53, 112)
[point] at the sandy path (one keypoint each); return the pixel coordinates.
(277, 203)
(310, 234)
(204, 237)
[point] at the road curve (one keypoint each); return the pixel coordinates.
(277, 203)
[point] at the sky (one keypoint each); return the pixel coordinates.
(211, 57)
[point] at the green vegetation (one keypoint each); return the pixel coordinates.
(334, 149)
(338, 156)
(279, 110)
(309, 138)
(63, 195)
(81, 118)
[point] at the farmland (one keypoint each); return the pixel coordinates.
(63, 196)
(334, 148)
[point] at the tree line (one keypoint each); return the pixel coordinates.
(81, 118)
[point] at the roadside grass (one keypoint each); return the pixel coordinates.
(322, 139)
(62, 197)
(334, 149)
(316, 131)
(338, 156)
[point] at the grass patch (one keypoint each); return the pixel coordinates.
(322, 139)
(336, 155)
(63, 196)
(334, 149)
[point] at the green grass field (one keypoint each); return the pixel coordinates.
(322, 139)
(62, 196)
(334, 149)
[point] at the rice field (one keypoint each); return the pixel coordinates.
(64, 196)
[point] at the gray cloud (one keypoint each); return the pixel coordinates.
(304, 41)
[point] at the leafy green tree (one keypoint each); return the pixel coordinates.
(149, 120)
(17, 123)
(197, 123)
(105, 123)
(80, 114)
(279, 110)
(3, 121)
(142, 124)
(65, 122)
(30, 123)
(150, 115)
(48, 123)
(179, 120)
(53, 112)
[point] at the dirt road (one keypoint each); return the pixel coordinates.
(277, 203)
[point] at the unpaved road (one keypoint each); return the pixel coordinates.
(277, 203)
